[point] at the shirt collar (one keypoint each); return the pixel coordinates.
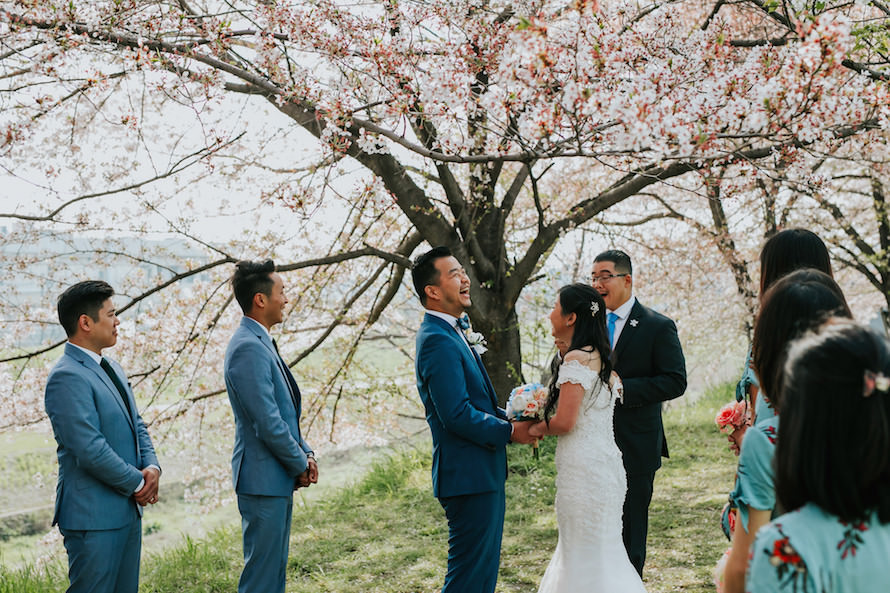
(97, 358)
(624, 310)
(450, 319)
(259, 325)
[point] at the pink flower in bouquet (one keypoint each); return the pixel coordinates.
(732, 417)
(527, 402)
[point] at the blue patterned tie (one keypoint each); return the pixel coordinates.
(612, 318)
(463, 323)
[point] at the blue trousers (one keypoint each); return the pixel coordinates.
(475, 529)
(265, 530)
(104, 560)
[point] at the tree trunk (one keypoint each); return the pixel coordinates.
(503, 360)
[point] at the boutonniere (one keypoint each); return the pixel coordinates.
(477, 342)
(634, 322)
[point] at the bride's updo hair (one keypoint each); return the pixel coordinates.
(590, 333)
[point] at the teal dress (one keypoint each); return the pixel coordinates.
(763, 408)
(754, 485)
(811, 551)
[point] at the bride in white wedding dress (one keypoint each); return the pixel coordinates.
(590, 482)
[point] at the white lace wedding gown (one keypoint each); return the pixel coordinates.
(590, 487)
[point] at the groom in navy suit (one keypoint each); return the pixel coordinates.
(646, 354)
(469, 430)
(270, 459)
(107, 465)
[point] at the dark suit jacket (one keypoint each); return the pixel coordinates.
(469, 430)
(650, 362)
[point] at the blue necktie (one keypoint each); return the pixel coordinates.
(612, 318)
(463, 323)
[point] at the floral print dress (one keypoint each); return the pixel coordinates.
(810, 551)
(754, 485)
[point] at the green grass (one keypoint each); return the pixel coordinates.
(387, 533)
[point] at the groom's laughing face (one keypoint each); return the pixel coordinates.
(453, 288)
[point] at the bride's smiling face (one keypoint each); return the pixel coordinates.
(562, 327)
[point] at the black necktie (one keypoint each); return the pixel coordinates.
(117, 383)
(288, 378)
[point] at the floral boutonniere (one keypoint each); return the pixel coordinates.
(634, 322)
(477, 342)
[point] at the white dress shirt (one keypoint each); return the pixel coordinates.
(452, 321)
(623, 312)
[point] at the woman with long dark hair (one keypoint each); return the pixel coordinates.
(590, 481)
(791, 306)
(832, 468)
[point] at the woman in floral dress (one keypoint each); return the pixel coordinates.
(832, 469)
(793, 304)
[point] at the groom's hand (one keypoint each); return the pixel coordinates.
(521, 434)
(302, 480)
(313, 471)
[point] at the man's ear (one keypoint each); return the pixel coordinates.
(85, 323)
(432, 292)
(259, 301)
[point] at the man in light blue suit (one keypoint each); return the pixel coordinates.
(469, 430)
(270, 459)
(107, 465)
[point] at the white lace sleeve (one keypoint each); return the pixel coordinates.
(575, 372)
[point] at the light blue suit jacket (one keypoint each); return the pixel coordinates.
(269, 450)
(469, 430)
(101, 446)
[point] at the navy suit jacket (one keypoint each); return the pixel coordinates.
(102, 447)
(649, 359)
(469, 430)
(269, 450)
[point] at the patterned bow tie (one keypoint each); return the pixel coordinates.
(463, 323)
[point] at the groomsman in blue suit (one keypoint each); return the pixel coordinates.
(647, 355)
(469, 430)
(107, 465)
(270, 459)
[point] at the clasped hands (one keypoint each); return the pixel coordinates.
(149, 492)
(308, 477)
(524, 433)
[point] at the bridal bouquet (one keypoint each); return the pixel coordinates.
(527, 402)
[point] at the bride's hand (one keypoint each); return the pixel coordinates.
(537, 429)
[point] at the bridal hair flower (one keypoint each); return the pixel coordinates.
(875, 382)
(594, 308)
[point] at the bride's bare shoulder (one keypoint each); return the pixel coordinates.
(589, 359)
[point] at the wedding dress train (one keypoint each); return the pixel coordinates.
(590, 488)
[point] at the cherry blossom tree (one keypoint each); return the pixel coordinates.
(451, 123)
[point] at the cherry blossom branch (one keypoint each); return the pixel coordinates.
(174, 169)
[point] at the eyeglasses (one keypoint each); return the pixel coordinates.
(605, 278)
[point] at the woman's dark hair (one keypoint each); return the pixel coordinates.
(424, 272)
(789, 250)
(83, 298)
(794, 304)
(834, 446)
(590, 332)
(251, 278)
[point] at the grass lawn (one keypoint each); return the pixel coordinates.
(387, 533)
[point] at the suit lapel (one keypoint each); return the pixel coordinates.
(289, 380)
(637, 312)
(466, 351)
(90, 364)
